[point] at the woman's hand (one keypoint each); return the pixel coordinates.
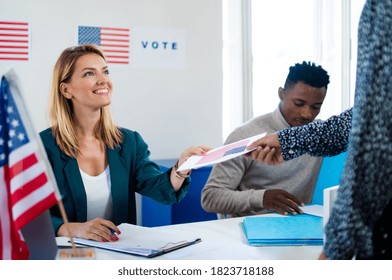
(177, 177)
(194, 150)
(97, 229)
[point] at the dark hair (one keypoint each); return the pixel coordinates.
(308, 73)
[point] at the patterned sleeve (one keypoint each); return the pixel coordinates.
(322, 138)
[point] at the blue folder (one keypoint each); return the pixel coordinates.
(284, 231)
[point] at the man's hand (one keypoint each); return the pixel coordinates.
(268, 150)
(282, 202)
(272, 156)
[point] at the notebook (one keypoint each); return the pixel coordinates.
(284, 230)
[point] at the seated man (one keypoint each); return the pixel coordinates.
(242, 186)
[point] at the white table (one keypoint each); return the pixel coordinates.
(221, 240)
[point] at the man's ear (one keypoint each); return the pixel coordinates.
(64, 91)
(280, 93)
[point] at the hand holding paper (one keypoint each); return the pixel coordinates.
(221, 154)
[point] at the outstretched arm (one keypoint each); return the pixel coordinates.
(322, 138)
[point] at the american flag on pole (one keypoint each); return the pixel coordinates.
(115, 42)
(14, 41)
(26, 188)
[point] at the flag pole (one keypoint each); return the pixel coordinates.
(66, 224)
(84, 253)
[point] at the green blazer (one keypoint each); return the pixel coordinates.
(131, 171)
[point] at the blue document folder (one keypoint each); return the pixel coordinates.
(284, 231)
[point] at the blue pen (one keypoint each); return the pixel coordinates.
(112, 230)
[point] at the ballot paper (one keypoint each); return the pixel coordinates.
(220, 154)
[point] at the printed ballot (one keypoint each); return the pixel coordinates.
(220, 154)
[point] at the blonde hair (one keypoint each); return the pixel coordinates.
(61, 113)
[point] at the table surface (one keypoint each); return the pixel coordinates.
(221, 240)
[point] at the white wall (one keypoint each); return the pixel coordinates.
(171, 108)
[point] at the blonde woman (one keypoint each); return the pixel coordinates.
(98, 166)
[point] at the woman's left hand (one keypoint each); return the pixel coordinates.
(177, 177)
(194, 150)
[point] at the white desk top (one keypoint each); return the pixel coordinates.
(221, 240)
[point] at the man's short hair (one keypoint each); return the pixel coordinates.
(308, 73)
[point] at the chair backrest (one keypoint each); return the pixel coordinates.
(330, 195)
(329, 176)
(187, 211)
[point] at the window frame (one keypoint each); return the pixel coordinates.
(238, 76)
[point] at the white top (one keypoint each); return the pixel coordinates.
(99, 198)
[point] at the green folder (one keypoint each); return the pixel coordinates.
(290, 230)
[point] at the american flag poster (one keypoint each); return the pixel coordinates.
(14, 41)
(26, 184)
(115, 42)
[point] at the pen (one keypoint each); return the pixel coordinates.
(112, 230)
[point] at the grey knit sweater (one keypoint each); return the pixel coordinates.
(236, 187)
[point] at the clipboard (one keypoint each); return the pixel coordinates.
(142, 241)
(138, 251)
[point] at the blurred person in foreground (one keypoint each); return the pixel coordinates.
(359, 226)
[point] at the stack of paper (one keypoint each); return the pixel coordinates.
(285, 230)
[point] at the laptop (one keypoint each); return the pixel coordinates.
(40, 238)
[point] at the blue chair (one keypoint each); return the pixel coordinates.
(187, 211)
(329, 176)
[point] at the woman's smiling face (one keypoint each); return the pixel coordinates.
(90, 85)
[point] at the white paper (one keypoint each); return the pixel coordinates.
(220, 154)
(313, 209)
